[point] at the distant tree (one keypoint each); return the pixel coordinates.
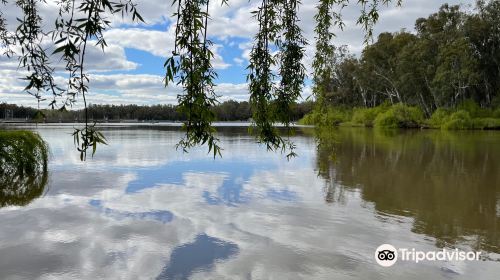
(272, 93)
(453, 57)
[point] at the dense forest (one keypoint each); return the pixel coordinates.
(226, 111)
(450, 62)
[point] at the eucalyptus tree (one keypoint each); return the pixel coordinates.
(328, 17)
(483, 31)
(276, 66)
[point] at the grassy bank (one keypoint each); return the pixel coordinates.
(466, 116)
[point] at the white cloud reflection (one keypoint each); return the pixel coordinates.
(90, 223)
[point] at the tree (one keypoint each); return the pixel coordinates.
(483, 32)
(272, 93)
(452, 58)
(456, 73)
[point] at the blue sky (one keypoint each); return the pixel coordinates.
(131, 69)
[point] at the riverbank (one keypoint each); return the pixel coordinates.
(468, 116)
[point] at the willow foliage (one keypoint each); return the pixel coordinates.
(190, 65)
(22, 152)
(23, 167)
(78, 23)
(276, 67)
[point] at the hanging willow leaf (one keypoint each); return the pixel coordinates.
(71, 38)
(190, 66)
(271, 103)
(292, 71)
(275, 81)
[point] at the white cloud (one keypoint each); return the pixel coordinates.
(227, 22)
(112, 59)
(238, 61)
(158, 43)
(70, 237)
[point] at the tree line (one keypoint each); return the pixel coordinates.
(452, 56)
(226, 111)
(276, 69)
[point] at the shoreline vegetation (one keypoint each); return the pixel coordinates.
(466, 116)
(228, 111)
(23, 167)
(22, 152)
(445, 74)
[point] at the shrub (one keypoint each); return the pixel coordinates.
(400, 116)
(331, 117)
(23, 167)
(496, 113)
(486, 123)
(309, 119)
(458, 120)
(475, 110)
(439, 117)
(470, 107)
(335, 116)
(366, 116)
(22, 151)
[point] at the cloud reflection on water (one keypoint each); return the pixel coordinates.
(263, 217)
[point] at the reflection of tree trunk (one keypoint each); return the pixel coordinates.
(330, 191)
(441, 196)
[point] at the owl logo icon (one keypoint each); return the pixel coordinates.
(386, 255)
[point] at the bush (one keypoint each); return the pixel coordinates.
(469, 116)
(496, 113)
(335, 116)
(22, 151)
(309, 119)
(331, 117)
(470, 107)
(459, 120)
(474, 110)
(366, 116)
(400, 116)
(23, 167)
(439, 117)
(486, 123)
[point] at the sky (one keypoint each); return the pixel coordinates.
(130, 71)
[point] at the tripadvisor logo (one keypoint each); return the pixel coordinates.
(387, 255)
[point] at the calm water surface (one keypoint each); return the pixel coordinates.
(141, 210)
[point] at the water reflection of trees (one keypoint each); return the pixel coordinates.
(23, 167)
(448, 182)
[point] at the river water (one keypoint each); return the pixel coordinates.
(139, 209)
